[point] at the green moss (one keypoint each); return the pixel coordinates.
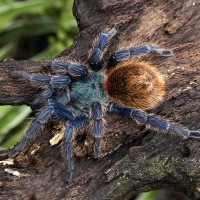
(129, 172)
(121, 186)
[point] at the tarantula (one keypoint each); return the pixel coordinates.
(128, 88)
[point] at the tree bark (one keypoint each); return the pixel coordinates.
(135, 159)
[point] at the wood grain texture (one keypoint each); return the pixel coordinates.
(135, 159)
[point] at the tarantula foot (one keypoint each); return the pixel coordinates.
(97, 151)
(162, 52)
(13, 153)
(69, 178)
(194, 134)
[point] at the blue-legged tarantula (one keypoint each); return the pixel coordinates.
(127, 89)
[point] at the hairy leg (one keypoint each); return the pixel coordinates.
(157, 123)
(96, 54)
(97, 118)
(73, 69)
(46, 94)
(52, 108)
(126, 54)
(43, 80)
(75, 124)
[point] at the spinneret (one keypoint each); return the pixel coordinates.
(77, 97)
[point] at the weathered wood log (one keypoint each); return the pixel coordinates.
(135, 159)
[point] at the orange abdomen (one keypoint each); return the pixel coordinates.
(135, 85)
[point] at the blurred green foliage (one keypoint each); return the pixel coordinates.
(148, 195)
(25, 26)
(12, 120)
(51, 18)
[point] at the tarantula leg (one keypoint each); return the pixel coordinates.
(185, 132)
(43, 116)
(96, 54)
(157, 123)
(68, 137)
(126, 54)
(59, 110)
(43, 80)
(97, 117)
(63, 96)
(52, 107)
(73, 69)
(46, 94)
